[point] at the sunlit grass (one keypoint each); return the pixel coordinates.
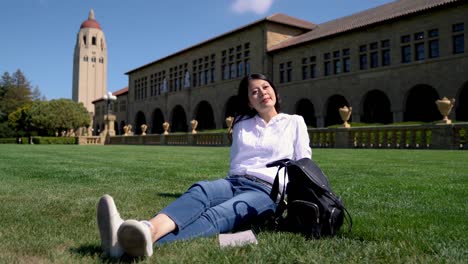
(407, 205)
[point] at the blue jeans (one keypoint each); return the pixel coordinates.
(212, 207)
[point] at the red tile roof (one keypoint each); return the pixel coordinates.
(121, 91)
(365, 18)
(116, 93)
(276, 18)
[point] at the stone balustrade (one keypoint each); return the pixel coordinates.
(91, 140)
(444, 136)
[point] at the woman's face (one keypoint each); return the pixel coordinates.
(261, 96)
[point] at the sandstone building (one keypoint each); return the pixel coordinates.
(390, 63)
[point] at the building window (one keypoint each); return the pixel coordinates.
(374, 59)
(363, 62)
(418, 36)
(308, 67)
(289, 71)
(419, 51)
(313, 71)
(247, 67)
(232, 71)
(406, 54)
(240, 69)
(336, 66)
(433, 44)
(326, 64)
(458, 38)
(405, 39)
(385, 57)
(346, 61)
(85, 58)
(93, 41)
(327, 68)
(281, 72)
(285, 72)
(385, 52)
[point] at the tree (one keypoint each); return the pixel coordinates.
(17, 92)
(20, 120)
(59, 115)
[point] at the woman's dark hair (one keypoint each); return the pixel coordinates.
(243, 109)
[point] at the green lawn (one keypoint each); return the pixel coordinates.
(408, 206)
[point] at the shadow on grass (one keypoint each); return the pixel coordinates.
(92, 250)
(170, 195)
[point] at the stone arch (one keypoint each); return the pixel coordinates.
(332, 114)
(178, 120)
(376, 108)
(230, 108)
(122, 124)
(461, 104)
(116, 127)
(204, 115)
(139, 120)
(156, 122)
(420, 104)
(305, 108)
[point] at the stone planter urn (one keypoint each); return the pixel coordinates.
(166, 128)
(127, 130)
(229, 121)
(445, 105)
(194, 124)
(144, 127)
(345, 113)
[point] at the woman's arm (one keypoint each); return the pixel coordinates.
(301, 145)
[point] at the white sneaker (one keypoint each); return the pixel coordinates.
(109, 221)
(135, 238)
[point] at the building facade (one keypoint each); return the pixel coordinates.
(390, 63)
(89, 63)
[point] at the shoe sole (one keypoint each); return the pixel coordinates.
(134, 240)
(108, 237)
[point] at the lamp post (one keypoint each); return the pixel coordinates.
(110, 118)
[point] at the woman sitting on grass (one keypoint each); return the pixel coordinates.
(260, 134)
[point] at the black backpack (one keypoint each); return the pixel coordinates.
(310, 206)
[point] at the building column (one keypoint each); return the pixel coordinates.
(320, 121)
(397, 116)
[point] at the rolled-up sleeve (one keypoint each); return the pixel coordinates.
(301, 145)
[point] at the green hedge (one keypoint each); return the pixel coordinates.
(7, 140)
(55, 140)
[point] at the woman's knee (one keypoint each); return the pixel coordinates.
(218, 189)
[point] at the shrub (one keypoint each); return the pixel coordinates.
(55, 140)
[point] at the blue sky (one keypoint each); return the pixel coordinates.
(38, 36)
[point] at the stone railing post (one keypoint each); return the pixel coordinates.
(342, 138)
(443, 137)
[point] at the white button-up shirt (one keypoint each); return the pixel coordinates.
(256, 143)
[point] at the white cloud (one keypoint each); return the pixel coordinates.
(257, 6)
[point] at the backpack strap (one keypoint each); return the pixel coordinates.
(281, 207)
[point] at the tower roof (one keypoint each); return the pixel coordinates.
(91, 22)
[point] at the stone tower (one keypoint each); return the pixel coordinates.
(90, 63)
